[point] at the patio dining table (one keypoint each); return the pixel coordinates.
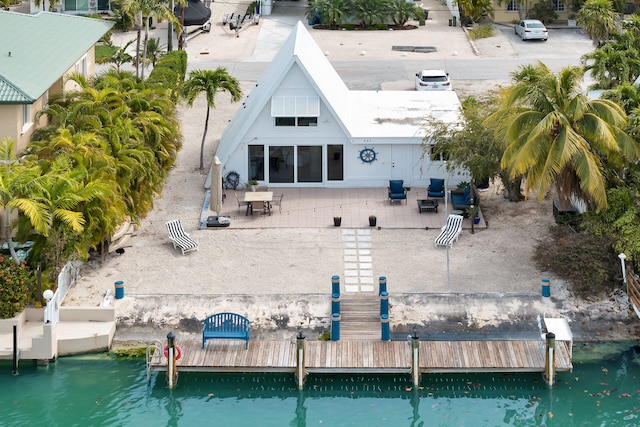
(255, 198)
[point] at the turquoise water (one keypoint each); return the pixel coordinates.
(603, 390)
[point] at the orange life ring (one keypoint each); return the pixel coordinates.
(178, 352)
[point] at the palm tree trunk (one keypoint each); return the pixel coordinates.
(12, 250)
(181, 34)
(146, 39)
(204, 135)
(139, 35)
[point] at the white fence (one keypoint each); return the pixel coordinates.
(66, 278)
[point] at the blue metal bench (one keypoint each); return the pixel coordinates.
(226, 326)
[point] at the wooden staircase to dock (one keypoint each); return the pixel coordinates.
(360, 316)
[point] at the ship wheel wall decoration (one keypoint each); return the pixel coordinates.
(368, 155)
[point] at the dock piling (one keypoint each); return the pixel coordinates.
(384, 303)
(384, 325)
(301, 373)
(172, 369)
(335, 327)
(335, 294)
(415, 358)
(384, 316)
(335, 285)
(382, 285)
(549, 362)
(15, 350)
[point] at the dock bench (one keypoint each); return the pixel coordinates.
(226, 326)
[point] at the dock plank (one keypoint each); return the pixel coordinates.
(366, 355)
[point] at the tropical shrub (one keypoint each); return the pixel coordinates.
(544, 11)
(16, 283)
(481, 32)
(598, 20)
(586, 261)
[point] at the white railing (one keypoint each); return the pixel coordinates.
(66, 278)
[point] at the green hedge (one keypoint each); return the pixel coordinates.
(170, 71)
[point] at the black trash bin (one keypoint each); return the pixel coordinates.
(426, 14)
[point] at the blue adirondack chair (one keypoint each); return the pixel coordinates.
(397, 191)
(436, 188)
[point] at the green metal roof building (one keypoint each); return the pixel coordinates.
(36, 52)
(38, 49)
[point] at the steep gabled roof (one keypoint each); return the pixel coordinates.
(399, 117)
(298, 49)
(36, 50)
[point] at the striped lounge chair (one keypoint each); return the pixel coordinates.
(180, 238)
(450, 231)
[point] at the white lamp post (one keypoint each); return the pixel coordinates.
(624, 269)
(48, 294)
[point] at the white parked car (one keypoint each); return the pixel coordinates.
(531, 29)
(433, 80)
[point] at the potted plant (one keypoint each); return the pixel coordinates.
(372, 220)
(475, 214)
(252, 184)
(337, 220)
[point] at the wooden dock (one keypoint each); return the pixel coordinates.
(366, 356)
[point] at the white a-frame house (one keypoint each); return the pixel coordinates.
(301, 126)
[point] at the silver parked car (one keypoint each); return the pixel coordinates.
(531, 29)
(433, 80)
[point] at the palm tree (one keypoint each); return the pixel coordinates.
(369, 12)
(401, 11)
(209, 82)
(119, 57)
(598, 20)
(554, 134)
(143, 10)
(626, 95)
(20, 187)
(331, 11)
(154, 50)
(474, 9)
(616, 61)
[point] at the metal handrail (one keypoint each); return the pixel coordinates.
(157, 346)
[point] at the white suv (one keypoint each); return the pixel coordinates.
(433, 80)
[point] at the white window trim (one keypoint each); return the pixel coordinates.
(560, 5)
(82, 66)
(26, 117)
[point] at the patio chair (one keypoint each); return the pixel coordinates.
(450, 232)
(436, 188)
(277, 201)
(180, 238)
(397, 191)
(242, 203)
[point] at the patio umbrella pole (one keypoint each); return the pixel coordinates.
(446, 214)
(448, 277)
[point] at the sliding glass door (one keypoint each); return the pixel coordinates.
(289, 164)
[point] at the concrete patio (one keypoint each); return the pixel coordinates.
(316, 207)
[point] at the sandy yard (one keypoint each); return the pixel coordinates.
(280, 278)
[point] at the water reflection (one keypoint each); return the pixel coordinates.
(300, 419)
(602, 390)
